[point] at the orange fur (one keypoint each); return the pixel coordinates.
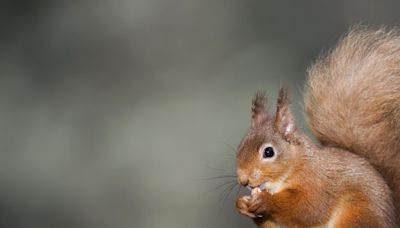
(353, 107)
(353, 100)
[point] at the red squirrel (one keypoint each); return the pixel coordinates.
(351, 177)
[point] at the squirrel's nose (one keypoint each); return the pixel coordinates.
(243, 180)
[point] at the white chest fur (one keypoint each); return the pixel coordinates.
(276, 186)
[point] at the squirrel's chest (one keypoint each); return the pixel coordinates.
(271, 224)
(331, 222)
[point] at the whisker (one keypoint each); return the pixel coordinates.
(227, 193)
(232, 150)
(217, 169)
(229, 146)
(238, 191)
(218, 177)
(218, 187)
(224, 172)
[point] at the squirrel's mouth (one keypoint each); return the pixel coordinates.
(258, 189)
(261, 187)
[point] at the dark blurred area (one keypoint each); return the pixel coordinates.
(123, 113)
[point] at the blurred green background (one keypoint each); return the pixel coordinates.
(117, 113)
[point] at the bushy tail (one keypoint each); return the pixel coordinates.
(352, 100)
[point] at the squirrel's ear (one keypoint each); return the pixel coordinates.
(258, 109)
(284, 121)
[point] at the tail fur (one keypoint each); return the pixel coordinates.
(352, 100)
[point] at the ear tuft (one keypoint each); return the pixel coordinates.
(258, 109)
(284, 121)
(283, 97)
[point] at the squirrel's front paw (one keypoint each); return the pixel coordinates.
(257, 205)
(254, 206)
(242, 205)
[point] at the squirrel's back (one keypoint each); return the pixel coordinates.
(352, 100)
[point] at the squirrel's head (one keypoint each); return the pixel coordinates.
(272, 147)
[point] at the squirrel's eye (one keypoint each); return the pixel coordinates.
(268, 152)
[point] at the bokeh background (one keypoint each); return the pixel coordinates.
(123, 113)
